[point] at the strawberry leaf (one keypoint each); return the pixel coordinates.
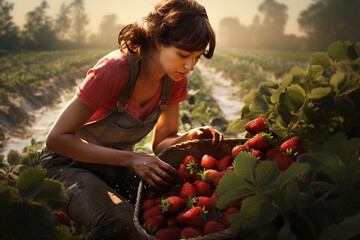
(265, 175)
(244, 165)
(285, 232)
(256, 211)
(52, 193)
(237, 126)
(31, 182)
(295, 170)
(347, 229)
(338, 159)
(228, 191)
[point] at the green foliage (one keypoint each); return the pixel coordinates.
(30, 70)
(290, 207)
(28, 199)
(313, 103)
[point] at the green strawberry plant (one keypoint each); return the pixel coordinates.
(28, 200)
(318, 196)
(311, 103)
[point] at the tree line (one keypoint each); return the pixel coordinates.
(323, 22)
(67, 30)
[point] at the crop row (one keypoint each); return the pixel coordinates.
(247, 68)
(25, 71)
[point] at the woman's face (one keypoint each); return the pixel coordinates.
(177, 63)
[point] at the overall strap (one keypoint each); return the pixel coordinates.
(166, 89)
(134, 70)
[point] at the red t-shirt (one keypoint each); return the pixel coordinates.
(104, 83)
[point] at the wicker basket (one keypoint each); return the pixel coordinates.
(174, 155)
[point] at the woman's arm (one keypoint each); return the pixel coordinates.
(166, 131)
(62, 140)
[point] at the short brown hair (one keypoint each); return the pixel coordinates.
(183, 24)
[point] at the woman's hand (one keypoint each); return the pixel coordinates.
(155, 172)
(206, 133)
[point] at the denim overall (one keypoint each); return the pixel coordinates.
(99, 195)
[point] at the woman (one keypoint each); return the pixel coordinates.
(125, 95)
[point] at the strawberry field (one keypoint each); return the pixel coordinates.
(295, 175)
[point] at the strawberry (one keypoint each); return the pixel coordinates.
(203, 188)
(217, 177)
(172, 204)
(189, 232)
(208, 162)
(188, 190)
(174, 191)
(293, 146)
(237, 202)
(256, 126)
(189, 158)
(62, 218)
(192, 217)
(208, 174)
(248, 135)
(229, 211)
(206, 202)
(152, 224)
(261, 141)
(258, 154)
(151, 212)
(168, 233)
(282, 160)
(224, 163)
(237, 149)
(149, 203)
(193, 169)
(183, 174)
(172, 222)
(212, 227)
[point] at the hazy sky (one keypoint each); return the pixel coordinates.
(132, 10)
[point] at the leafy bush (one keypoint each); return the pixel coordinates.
(321, 105)
(314, 103)
(28, 200)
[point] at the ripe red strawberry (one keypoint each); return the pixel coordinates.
(227, 213)
(192, 217)
(224, 163)
(208, 162)
(168, 233)
(206, 202)
(183, 174)
(172, 204)
(258, 154)
(217, 177)
(193, 169)
(203, 188)
(257, 125)
(149, 203)
(152, 224)
(172, 222)
(62, 218)
(151, 212)
(174, 191)
(189, 232)
(261, 141)
(282, 160)
(208, 174)
(237, 149)
(188, 190)
(237, 202)
(213, 227)
(293, 146)
(189, 158)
